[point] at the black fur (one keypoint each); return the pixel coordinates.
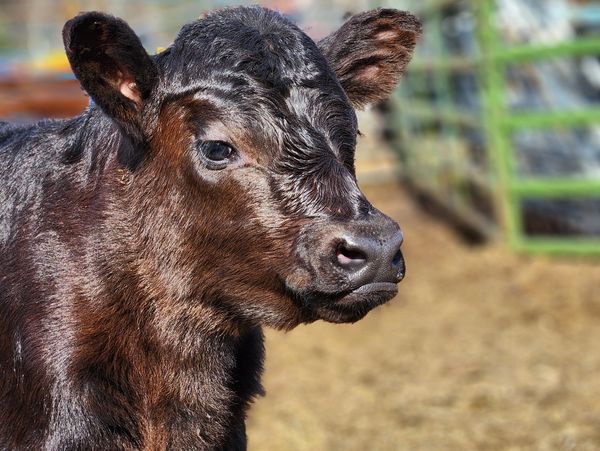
(135, 279)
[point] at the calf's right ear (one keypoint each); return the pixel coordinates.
(112, 66)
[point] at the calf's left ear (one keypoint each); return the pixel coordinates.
(112, 66)
(370, 52)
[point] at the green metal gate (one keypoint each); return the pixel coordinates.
(484, 188)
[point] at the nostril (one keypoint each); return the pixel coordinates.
(397, 259)
(398, 266)
(350, 257)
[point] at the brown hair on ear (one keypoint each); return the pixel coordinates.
(370, 52)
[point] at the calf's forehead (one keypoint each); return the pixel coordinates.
(255, 41)
(266, 77)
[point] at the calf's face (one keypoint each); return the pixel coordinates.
(242, 138)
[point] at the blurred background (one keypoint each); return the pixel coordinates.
(488, 155)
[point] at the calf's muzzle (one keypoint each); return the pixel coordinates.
(368, 258)
(353, 255)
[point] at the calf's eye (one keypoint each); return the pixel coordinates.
(216, 154)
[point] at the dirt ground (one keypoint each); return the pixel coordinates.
(481, 350)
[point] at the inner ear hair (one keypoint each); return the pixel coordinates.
(128, 87)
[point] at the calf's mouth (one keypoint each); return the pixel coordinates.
(354, 305)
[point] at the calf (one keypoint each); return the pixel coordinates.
(206, 192)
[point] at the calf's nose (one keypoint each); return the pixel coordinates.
(369, 259)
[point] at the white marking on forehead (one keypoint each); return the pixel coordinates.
(324, 113)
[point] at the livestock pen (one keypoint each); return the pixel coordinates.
(498, 119)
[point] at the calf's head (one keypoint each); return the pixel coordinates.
(238, 159)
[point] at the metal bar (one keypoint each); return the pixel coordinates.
(454, 64)
(523, 54)
(578, 47)
(551, 119)
(556, 187)
(446, 113)
(494, 113)
(584, 247)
